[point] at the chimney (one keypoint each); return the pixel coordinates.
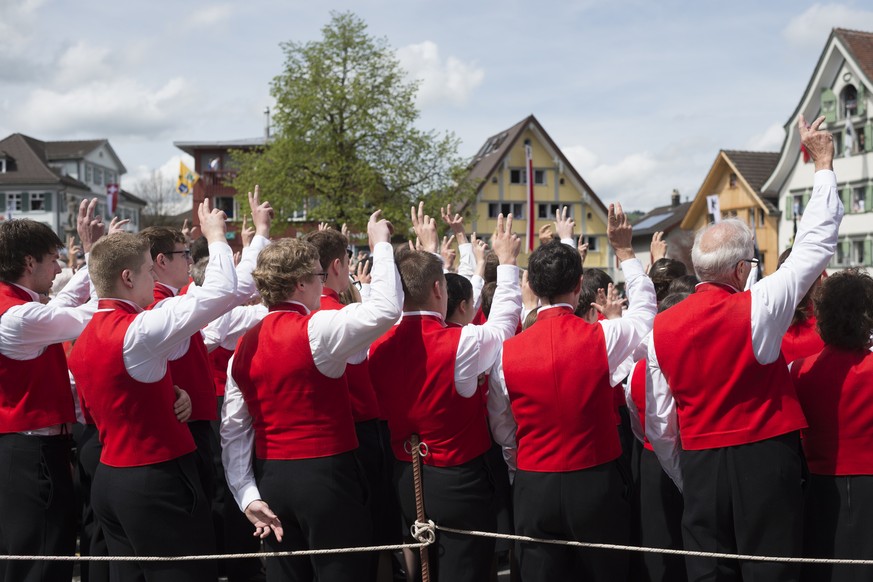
(674, 198)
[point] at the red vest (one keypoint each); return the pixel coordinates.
(33, 393)
(413, 371)
(218, 359)
(801, 340)
(557, 377)
(363, 397)
(297, 412)
(834, 387)
(193, 371)
(135, 419)
(638, 395)
(724, 397)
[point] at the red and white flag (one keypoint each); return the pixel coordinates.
(111, 199)
(531, 227)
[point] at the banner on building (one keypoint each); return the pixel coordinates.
(187, 179)
(713, 207)
(112, 191)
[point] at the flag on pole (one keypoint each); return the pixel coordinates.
(713, 207)
(531, 227)
(111, 199)
(187, 179)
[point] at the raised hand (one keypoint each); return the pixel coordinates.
(262, 213)
(505, 243)
(425, 229)
(545, 233)
(362, 273)
(264, 520)
(187, 231)
(582, 247)
(448, 253)
(89, 226)
(247, 233)
(378, 230)
(213, 223)
(564, 225)
(480, 248)
(455, 223)
(819, 143)
(116, 225)
(658, 248)
(619, 233)
(608, 303)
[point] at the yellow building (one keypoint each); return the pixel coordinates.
(500, 166)
(737, 177)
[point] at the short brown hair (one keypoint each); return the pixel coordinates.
(21, 238)
(281, 266)
(331, 245)
(419, 270)
(844, 310)
(162, 240)
(113, 254)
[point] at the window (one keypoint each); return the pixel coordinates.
(37, 202)
(858, 199)
(13, 202)
(227, 204)
(849, 101)
(88, 173)
(98, 176)
(858, 252)
(516, 209)
(110, 177)
(519, 176)
(797, 205)
(838, 142)
(592, 244)
(551, 210)
(2, 165)
(733, 180)
(841, 254)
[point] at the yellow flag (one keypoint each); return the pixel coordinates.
(187, 179)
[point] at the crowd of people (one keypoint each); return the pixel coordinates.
(216, 403)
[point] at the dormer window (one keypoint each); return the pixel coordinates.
(849, 101)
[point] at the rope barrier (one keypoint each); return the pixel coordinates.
(418, 450)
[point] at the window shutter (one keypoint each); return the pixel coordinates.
(847, 199)
(25, 202)
(2, 201)
(847, 248)
(862, 99)
(868, 252)
(47, 201)
(868, 136)
(828, 105)
(805, 201)
(789, 207)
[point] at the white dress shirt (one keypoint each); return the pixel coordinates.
(622, 336)
(774, 299)
(335, 337)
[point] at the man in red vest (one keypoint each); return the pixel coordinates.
(426, 376)
(551, 407)
(146, 491)
(288, 399)
(717, 372)
(36, 405)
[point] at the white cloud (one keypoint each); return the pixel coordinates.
(120, 108)
(629, 172)
(442, 80)
(83, 62)
(141, 181)
(770, 140)
(211, 16)
(812, 27)
(18, 62)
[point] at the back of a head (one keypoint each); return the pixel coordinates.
(459, 289)
(844, 310)
(672, 299)
(683, 284)
(198, 270)
(801, 313)
(20, 238)
(419, 270)
(199, 249)
(281, 265)
(113, 254)
(554, 269)
(163, 240)
(663, 273)
(491, 264)
(719, 247)
(488, 297)
(331, 245)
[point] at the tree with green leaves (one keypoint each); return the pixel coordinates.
(345, 140)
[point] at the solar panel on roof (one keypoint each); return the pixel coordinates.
(652, 220)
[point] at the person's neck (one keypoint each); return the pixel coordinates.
(568, 298)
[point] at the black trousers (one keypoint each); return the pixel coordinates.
(590, 505)
(322, 503)
(460, 497)
(92, 541)
(660, 521)
(837, 525)
(37, 506)
(744, 499)
(155, 510)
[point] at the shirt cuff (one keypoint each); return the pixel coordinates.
(249, 493)
(825, 178)
(569, 242)
(507, 274)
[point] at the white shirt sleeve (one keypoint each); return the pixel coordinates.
(662, 424)
(27, 329)
(76, 292)
(480, 345)
(336, 336)
(226, 330)
(478, 284)
(245, 288)
(155, 335)
(466, 260)
(774, 298)
(237, 444)
(500, 415)
(624, 335)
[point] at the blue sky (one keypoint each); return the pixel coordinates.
(639, 95)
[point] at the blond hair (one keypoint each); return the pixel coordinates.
(113, 254)
(281, 266)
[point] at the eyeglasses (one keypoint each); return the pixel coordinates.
(186, 253)
(322, 275)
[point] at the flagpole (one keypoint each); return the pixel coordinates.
(528, 152)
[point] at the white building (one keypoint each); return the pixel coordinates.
(45, 181)
(840, 89)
